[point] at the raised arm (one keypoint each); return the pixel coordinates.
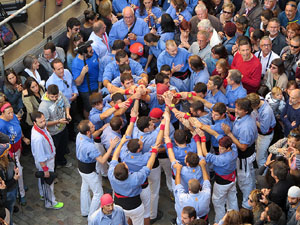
(118, 149)
(133, 117)
(202, 164)
(178, 168)
(113, 143)
(227, 131)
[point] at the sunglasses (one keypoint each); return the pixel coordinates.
(66, 83)
(250, 200)
(293, 46)
(226, 12)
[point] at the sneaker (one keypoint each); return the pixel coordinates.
(158, 217)
(23, 201)
(42, 198)
(58, 205)
(67, 165)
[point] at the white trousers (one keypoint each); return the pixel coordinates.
(154, 182)
(224, 194)
(261, 145)
(101, 168)
(44, 189)
(17, 155)
(136, 215)
(146, 199)
(93, 182)
(246, 178)
(166, 166)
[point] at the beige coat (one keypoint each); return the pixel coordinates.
(281, 82)
(31, 104)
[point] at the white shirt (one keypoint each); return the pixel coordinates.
(215, 39)
(100, 48)
(266, 61)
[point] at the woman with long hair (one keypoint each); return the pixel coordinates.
(106, 14)
(90, 17)
(184, 39)
(75, 40)
(257, 206)
(178, 11)
(10, 125)
(149, 12)
(167, 28)
(292, 30)
(217, 52)
(13, 87)
(199, 72)
(32, 97)
(222, 68)
(275, 76)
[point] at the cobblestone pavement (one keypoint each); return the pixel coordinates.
(67, 190)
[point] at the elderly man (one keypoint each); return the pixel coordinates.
(265, 54)
(292, 204)
(130, 29)
(290, 115)
(49, 54)
(176, 58)
(272, 5)
(201, 47)
(100, 39)
(251, 9)
(202, 13)
(214, 37)
(277, 38)
(290, 14)
(290, 55)
(249, 66)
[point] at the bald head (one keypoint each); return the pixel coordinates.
(194, 186)
(128, 11)
(128, 15)
(99, 26)
(294, 97)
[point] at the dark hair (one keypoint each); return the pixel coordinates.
(180, 5)
(89, 15)
(274, 212)
(142, 9)
(291, 83)
(72, 22)
(196, 62)
(143, 122)
(280, 64)
(244, 104)
(165, 68)
(116, 123)
(263, 90)
(246, 216)
(151, 37)
(83, 127)
(51, 46)
(120, 55)
(220, 108)
(243, 20)
(117, 96)
(180, 136)
(197, 105)
(198, 222)
(167, 23)
(125, 76)
(225, 142)
(267, 14)
(118, 45)
(28, 83)
(200, 88)
(185, 25)
(280, 170)
(194, 185)
(243, 39)
(53, 89)
(192, 159)
(160, 77)
(7, 83)
(257, 34)
(235, 75)
(220, 50)
(72, 46)
(217, 80)
(133, 145)
(123, 68)
(190, 211)
(35, 115)
(56, 60)
(121, 172)
(95, 98)
(255, 99)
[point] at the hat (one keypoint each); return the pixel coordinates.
(156, 113)
(106, 199)
(230, 29)
(3, 149)
(137, 48)
(161, 88)
(294, 192)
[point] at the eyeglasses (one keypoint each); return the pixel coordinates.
(128, 17)
(266, 45)
(293, 46)
(273, 67)
(250, 200)
(226, 12)
(66, 83)
(294, 135)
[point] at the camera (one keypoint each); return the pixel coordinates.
(289, 57)
(82, 47)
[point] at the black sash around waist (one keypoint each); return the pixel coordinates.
(128, 203)
(182, 75)
(246, 154)
(86, 167)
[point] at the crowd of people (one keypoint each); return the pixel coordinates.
(207, 91)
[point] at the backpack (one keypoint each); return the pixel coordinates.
(6, 34)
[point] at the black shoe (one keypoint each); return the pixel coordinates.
(16, 209)
(158, 217)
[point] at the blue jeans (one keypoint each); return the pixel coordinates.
(11, 197)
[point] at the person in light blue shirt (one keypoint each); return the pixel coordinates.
(167, 28)
(265, 121)
(119, 5)
(199, 72)
(113, 130)
(64, 80)
(234, 89)
(108, 213)
(149, 13)
(120, 29)
(112, 70)
(155, 44)
(117, 99)
(224, 166)
(175, 83)
(176, 58)
(214, 94)
(179, 12)
(96, 102)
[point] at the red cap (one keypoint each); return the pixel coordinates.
(156, 113)
(137, 48)
(161, 88)
(106, 199)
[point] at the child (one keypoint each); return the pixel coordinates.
(276, 101)
(137, 52)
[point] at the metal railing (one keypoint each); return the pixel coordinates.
(2, 51)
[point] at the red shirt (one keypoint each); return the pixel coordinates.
(251, 71)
